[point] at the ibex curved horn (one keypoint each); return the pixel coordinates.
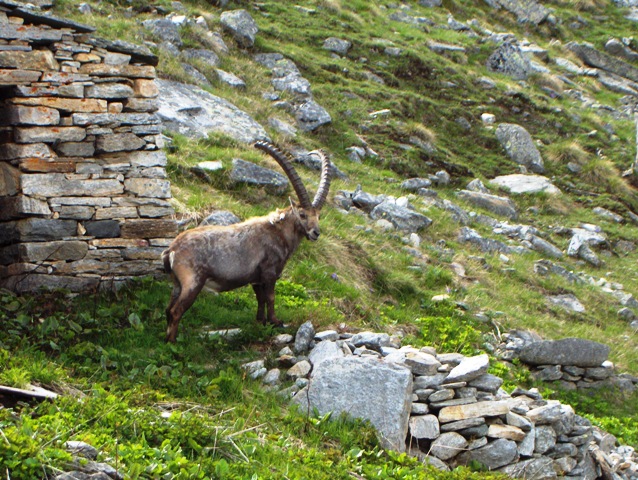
(285, 163)
(326, 178)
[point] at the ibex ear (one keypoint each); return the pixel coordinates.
(293, 204)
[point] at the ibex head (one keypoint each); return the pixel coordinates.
(306, 212)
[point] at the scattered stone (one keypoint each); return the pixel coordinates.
(299, 370)
(191, 111)
(220, 217)
(568, 302)
(272, 377)
(250, 173)
(493, 203)
(230, 79)
(323, 351)
(337, 45)
(510, 60)
(519, 183)
(401, 217)
(414, 184)
(310, 116)
(371, 340)
(519, 146)
(241, 26)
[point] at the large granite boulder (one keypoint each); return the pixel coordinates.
(363, 388)
(193, 112)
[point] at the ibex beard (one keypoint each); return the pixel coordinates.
(253, 252)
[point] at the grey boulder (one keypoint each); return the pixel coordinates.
(365, 388)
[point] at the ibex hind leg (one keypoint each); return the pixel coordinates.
(185, 298)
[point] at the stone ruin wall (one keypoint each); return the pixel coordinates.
(84, 196)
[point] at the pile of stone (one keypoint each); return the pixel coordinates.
(449, 408)
(83, 187)
(571, 362)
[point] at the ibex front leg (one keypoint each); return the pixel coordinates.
(261, 302)
(269, 290)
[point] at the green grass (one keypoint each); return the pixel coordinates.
(183, 410)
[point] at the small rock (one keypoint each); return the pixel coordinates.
(304, 337)
(282, 339)
(82, 449)
(272, 377)
(299, 369)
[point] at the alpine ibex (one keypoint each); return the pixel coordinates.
(253, 252)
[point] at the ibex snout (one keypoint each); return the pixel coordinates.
(313, 234)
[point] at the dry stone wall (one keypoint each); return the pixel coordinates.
(84, 196)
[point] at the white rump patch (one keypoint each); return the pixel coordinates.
(171, 259)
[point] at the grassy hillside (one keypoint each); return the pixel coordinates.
(187, 410)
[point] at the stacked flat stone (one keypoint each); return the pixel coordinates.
(572, 363)
(449, 408)
(83, 187)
